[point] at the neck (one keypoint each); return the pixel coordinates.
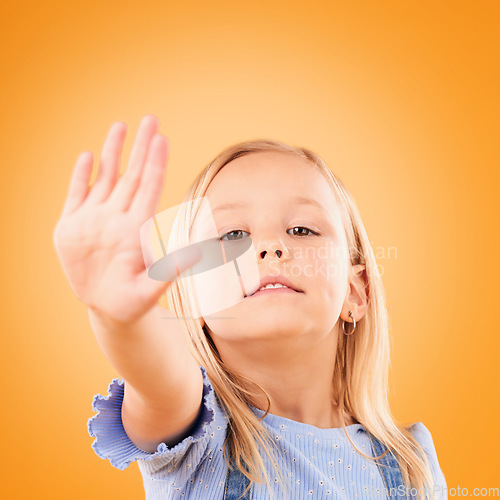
(296, 372)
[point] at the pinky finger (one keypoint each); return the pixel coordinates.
(79, 185)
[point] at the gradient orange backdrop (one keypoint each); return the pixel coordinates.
(400, 98)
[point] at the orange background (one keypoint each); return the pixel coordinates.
(399, 97)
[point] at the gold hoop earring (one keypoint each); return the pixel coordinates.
(354, 321)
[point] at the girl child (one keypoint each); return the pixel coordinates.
(282, 395)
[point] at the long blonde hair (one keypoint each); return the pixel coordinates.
(362, 360)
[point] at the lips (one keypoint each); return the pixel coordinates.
(273, 280)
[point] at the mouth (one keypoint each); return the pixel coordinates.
(275, 285)
(274, 291)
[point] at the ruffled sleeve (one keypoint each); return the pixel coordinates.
(113, 443)
(424, 437)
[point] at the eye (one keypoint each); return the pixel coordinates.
(304, 231)
(231, 235)
(236, 234)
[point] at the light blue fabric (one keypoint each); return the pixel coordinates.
(318, 463)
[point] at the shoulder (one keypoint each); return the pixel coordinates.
(422, 434)
(424, 437)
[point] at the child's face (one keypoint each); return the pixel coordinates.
(267, 186)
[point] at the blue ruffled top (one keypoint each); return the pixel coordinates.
(318, 463)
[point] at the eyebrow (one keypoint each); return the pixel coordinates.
(298, 200)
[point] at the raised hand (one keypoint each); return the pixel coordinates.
(97, 237)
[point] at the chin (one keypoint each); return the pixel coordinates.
(264, 327)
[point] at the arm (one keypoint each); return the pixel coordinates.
(163, 382)
(98, 243)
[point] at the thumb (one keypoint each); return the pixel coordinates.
(168, 268)
(172, 265)
(151, 290)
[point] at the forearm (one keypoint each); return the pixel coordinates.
(151, 354)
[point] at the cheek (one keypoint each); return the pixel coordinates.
(332, 277)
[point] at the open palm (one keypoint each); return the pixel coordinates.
(97, 237)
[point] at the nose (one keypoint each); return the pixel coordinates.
(279, 253)
(271, 248)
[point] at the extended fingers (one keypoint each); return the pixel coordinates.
(148, 194)
(110, 163)
(147, 130)
(79, 185)
(127, 186)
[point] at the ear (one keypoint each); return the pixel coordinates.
(358, 294)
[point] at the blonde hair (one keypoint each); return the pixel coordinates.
(362, 360)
